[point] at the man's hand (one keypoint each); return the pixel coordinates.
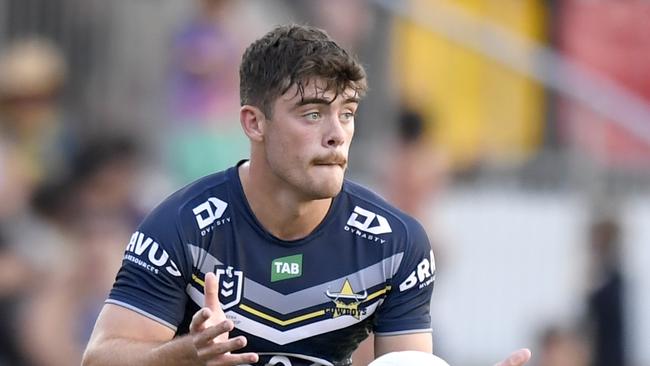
(209, 330)
(517, 358)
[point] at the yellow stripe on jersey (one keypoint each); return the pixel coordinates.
(198, 280)
(279, 321)
(302, 317)
(377, 293)
(292, 320)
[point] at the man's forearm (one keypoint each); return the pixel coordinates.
(123, 352)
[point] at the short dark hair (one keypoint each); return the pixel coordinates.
(293, 55)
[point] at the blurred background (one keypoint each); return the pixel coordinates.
(517, 131)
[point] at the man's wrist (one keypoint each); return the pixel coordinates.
(180, 349)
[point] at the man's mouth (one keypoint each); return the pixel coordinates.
(341, 163)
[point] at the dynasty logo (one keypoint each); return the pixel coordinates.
(368, 225)
(208, 214)
(347, 301)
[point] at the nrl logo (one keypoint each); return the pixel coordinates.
(347, 301)
(230, 283)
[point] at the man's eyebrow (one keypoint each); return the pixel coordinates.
(351, 100)
(316, 100)
(313, 100)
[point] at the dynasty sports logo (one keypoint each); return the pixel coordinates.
(367, 225)
(208, 214)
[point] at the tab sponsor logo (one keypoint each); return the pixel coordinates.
(285, 268)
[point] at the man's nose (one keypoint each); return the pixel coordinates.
(336, 134)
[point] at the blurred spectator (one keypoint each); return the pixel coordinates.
(13, 271)
(350, 28)
(562, 347)
(416, 169)
(100, 183)
(205, 135)
(58, 316)
(80, 228)
(104, 175)
(32, 74)
(15, 183)
(35, 146)
(205, 63)
(607, 297)
(40, 233)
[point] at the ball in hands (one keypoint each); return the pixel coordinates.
(409, 358)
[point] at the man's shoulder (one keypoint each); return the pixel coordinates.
(368, 204)
(209, 190)
(206, 185)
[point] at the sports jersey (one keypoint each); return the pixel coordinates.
(366, 267)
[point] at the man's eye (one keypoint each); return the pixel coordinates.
(313, 116)
(347, 116)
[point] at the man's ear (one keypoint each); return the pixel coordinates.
(253, 122)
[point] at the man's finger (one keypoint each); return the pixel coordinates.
(517, 358)
(198, 320)
(215, 350)
(239, 358)
(212, 292)
(208, 335)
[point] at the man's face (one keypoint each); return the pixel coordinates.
(308, 137)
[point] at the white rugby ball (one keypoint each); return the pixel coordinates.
(409, 358)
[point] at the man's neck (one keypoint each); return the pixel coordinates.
(280, 209)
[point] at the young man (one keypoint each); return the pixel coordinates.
(278, 260)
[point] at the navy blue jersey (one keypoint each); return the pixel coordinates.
(366, 267)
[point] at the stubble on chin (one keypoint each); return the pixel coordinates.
(326, 190)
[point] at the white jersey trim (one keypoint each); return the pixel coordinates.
(410, 331)
(141, 312)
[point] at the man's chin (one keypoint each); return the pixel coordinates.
(329, 191)
(325, 182)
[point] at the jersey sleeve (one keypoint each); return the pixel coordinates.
(153, 275)
(406, 307)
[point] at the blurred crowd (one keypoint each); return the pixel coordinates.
(66, 209)
(97, 124)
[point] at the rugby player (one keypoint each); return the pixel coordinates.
(278, 260)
